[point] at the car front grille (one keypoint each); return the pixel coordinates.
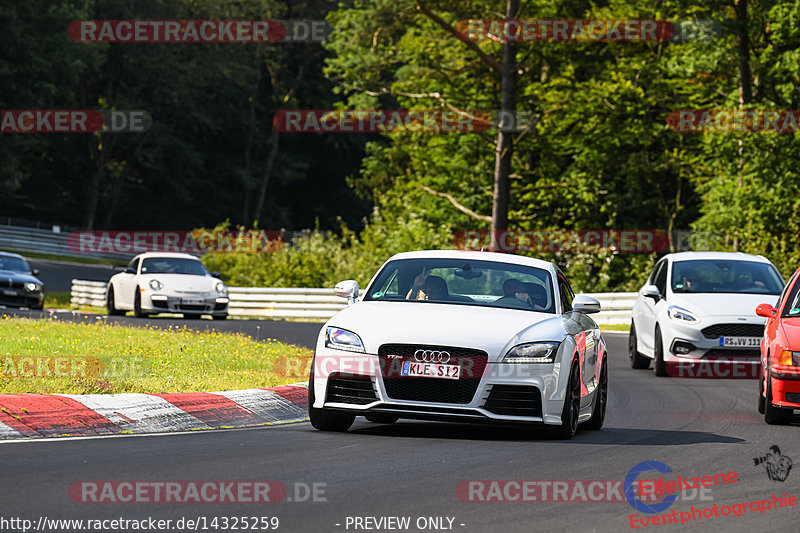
(454, 391)
(192, 307)
(514, 400)
(733, 330)
(18, 301)
(10, 284)
(735, 352)
(356, 390)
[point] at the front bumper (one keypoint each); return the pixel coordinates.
(21, 298)
(785, 388)
(496, 392)
(686, 346)
(206, 304)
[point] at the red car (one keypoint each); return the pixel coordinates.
(779, 372)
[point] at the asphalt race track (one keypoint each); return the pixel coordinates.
(412, 469)
(57, 276)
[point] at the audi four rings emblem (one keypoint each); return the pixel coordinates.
(431, 356)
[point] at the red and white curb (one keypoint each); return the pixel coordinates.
(68, 415)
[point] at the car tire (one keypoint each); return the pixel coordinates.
(659, 366)
(638, 361)
(382, 418)
(137, 305)
(775, 416)
(600, 402)
(572, 404)
(220, 317)
(761, 400)
(111, 307)
(325, 419)
(192, 316)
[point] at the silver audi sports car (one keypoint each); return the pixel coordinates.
(461, 336)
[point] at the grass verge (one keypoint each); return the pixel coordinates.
(46, 356)
(63, 300)
(615, 327)
(65, 258)
(57, 300)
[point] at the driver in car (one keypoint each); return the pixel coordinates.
(513, 287)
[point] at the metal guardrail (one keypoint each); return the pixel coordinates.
(47, 241)
(54, 242)
(321, 304)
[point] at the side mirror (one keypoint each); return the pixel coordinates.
(130, 270)
(651, 291)
(766, 310)
(585, 304)
(35, 271)
(215, 275)
(347, 289)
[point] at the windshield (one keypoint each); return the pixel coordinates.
(456, 281)
(173, 265)
(14, 264)
(708, 275)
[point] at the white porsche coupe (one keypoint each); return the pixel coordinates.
(461, 336)
(161, 282)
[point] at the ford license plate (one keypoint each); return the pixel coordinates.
(430, 370)
(740, 342)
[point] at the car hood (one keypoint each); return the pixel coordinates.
(791, 332)
(725, 304)
(494, 330)
(183, 282)
(18, 276)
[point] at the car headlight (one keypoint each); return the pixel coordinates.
(532, 352)
(220, 287)
(31, 286)
(341, 339)
(681, 314)
(156, 285)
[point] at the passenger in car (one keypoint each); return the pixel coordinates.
(427, 287)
